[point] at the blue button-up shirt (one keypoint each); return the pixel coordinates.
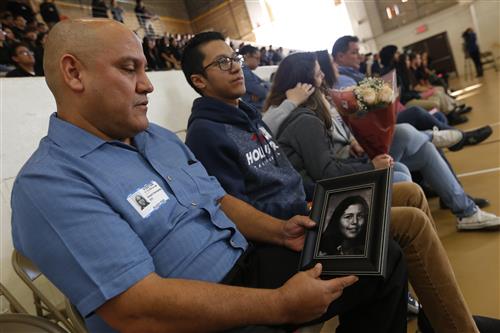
(75, 214)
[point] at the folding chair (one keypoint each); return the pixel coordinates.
(15, 306)
(28, 272)
(75, 317)
(23, 323)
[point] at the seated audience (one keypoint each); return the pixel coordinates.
(5, 61)
(306, 139)
(40, 44)
(116, 11)
(144, 17)
(375, 68)
(99, 9)
(22, 8)
(19, 27)
(6, 20)
(230, 139)
(24, 60)
(49, 12)
(152, 55)
(182, 263)
(256, 88)
(171, 54)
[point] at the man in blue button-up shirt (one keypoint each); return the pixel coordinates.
(124, 220)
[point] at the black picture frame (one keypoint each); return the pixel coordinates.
(361, 229)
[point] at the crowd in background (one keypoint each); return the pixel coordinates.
(22, 37)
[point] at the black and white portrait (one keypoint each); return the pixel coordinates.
(347, 218)
(141, 201)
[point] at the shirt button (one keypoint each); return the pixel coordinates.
(194, 204)
(233, 243)
(169, 178)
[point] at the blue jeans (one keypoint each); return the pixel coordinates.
(422, 120)
(413, 148)
(401, 173)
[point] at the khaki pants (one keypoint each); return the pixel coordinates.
(429, 269)
(423, 103)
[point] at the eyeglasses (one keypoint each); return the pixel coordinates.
(25, 53)
(226, 63)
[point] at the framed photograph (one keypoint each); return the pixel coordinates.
(352, 215)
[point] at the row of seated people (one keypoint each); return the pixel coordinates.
(21, 46)
(143, 234)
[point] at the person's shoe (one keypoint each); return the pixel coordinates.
(413, 305)
(480, 202)
(446, 138)
(473, 137)
(462, 109)
(479, 220)
(479, 135)
(456, 119)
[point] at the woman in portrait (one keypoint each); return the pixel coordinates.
(346, 230)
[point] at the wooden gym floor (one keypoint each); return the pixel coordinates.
(475, 256)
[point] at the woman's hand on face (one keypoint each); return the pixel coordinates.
(300, 93)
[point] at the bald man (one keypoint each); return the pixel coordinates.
(174, 264)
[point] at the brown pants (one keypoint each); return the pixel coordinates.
(429, 269)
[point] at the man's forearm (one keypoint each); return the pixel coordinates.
(171, 305)
(255, 225)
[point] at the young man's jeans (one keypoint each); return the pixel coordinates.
(414, 149)
(429, 269)
(422, 120)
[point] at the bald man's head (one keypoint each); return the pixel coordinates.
(96, 70)
(85, 39)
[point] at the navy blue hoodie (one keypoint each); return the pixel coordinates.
(235, 146)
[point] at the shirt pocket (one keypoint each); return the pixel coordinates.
(204, 183)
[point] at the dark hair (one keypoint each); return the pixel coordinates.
(412, 55)
(248, 49)
(342, 44)
(298, 68)
(387, 55)
(326, 66)
(331, 238)
(403, 72)
(192, 57)
(15, 46)
(344, 204)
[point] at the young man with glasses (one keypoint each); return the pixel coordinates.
(250, 162)
(24, 60)
(256, 88)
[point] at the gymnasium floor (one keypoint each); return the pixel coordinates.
(475, 256)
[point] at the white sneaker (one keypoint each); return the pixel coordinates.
(479, 220)
(446, 138)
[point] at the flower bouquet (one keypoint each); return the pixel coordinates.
(369, 108)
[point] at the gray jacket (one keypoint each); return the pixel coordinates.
(310, 148)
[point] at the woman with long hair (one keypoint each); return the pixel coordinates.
(346, 230)
(313, 156)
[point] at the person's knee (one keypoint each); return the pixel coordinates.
(407, 194)
(408, 224)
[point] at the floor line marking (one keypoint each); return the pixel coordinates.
(479, 172)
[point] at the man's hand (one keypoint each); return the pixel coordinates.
(382, 161)
(300, 93)
(306, 297)
(356, 149)
(294, 232)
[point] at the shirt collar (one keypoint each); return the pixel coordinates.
(75, 140)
